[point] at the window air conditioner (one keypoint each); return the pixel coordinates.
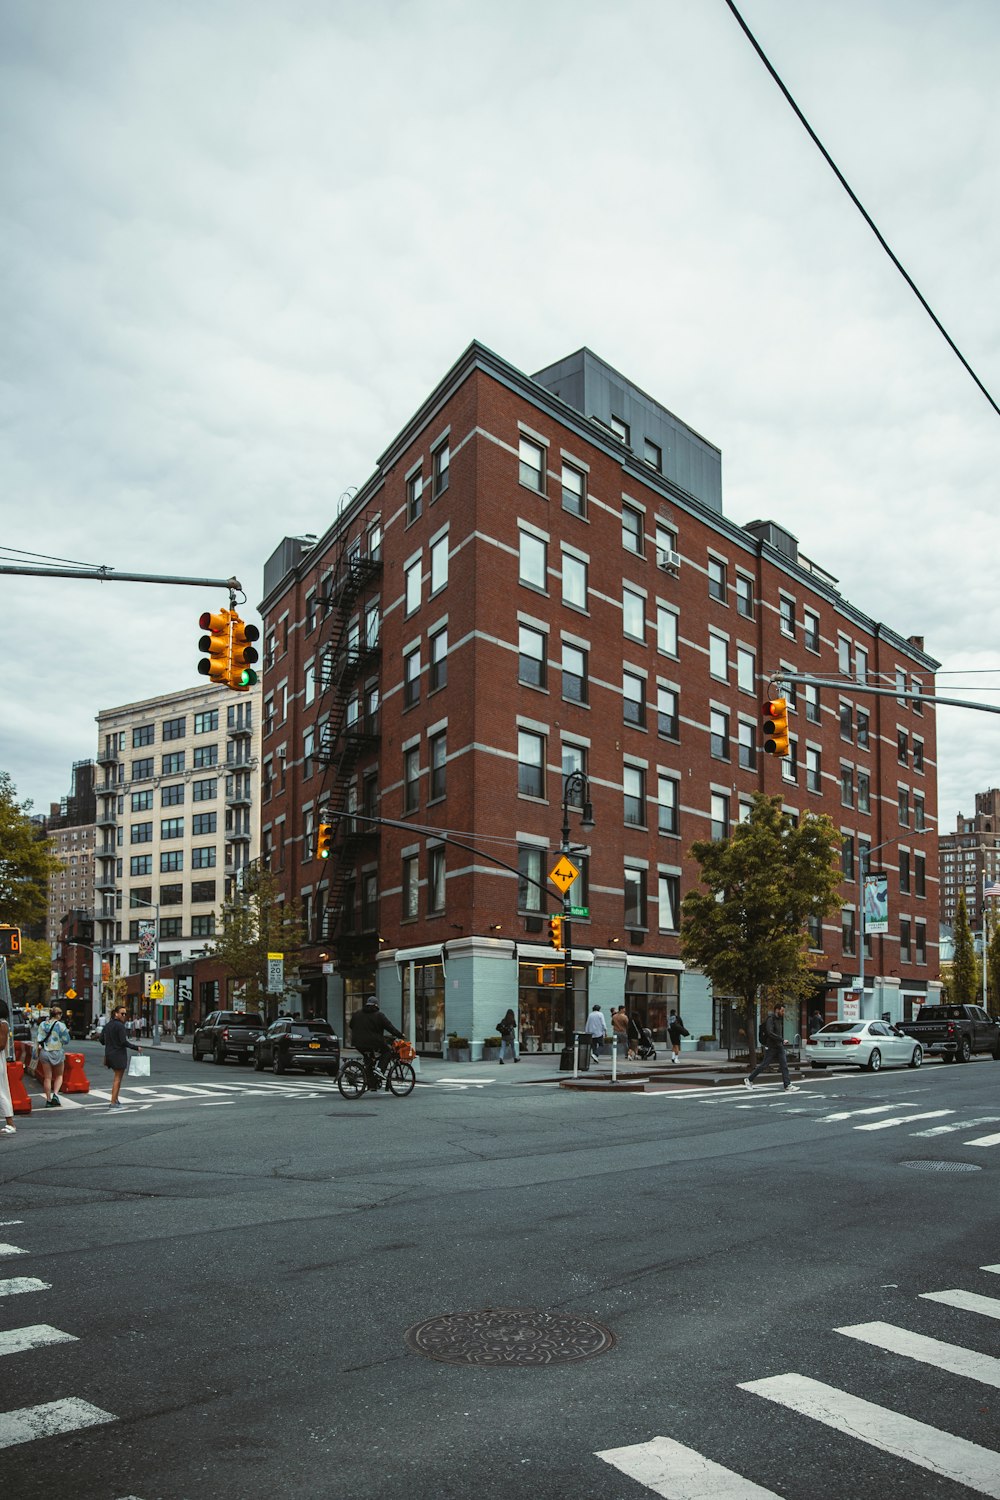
(669, 562)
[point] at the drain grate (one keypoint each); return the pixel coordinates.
(941, 1166)
(513, 1336)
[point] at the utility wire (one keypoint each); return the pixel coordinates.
(44, 557)
(862, 210)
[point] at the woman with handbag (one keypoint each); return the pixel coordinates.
(51, 1042)
(116, 1050)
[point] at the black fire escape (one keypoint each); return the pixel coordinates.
(349, 734)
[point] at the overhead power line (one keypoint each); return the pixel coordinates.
(861, 209)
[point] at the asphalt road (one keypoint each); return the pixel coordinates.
(237, 1267)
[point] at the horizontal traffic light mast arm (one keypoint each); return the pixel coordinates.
(444, 838)
(113, 575)
(857, 689)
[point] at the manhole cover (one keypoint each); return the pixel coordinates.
(509, 1336)
(941, 1166)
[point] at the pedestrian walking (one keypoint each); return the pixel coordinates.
(6, 1107)
(773, 1039)
(597, 1029)
(507, 1029)
(675, 1030)
(816, 1022)
(619, 1025)
(116, 1049)
(50, 1050)
(634, 1037)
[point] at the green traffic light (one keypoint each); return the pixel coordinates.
(247, 677)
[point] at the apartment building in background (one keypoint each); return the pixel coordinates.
(69, 924)
(969, 855)
(177, 821)
(539, 579)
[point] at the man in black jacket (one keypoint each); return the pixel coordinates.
(774, 1050)
(368, 1033)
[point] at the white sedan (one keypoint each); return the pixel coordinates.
(861, 1044)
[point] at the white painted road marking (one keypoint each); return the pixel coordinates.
(11, 1249)
(35, 1336)
(984, 1140)
(951, 1357)
(994, 1269)
(678, 1473)
(929, 1114)
(957, 1125)
(49, 1420)
(875, 1109)
(989, 1307)
(17, 1284)
(951, 1457)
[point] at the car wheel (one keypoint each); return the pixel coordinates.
(195, 1054)
(917, 1058)
(875, 1060)
(277, 1066)
(965, 1050)
(996, 1055)
(818, 1066)
(219, 1056)
(258, 1063)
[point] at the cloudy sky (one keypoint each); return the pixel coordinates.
(240, 241)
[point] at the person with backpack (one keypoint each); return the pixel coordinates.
(507, 1032)
(772, 1039)
(675, 1030)
(51, 1041)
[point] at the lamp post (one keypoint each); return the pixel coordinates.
(863, 861)
(576, 781)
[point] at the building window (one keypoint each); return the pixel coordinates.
(916, 686)
(920, 931)
(530, 764)
(532, 560)
(814, 772)
(531, 465)
(174, 729)
(790, 762)
(203, 926)
(141, 864)
(202, 823)
(173, 795)
(744, 596)
(411, 779)
(574, 673)
(861, 664)
(141, 833)
(652, 454)
(718, 654)
(173, 828)
(142, 801)
(439, 563)
(918, 812)
(170, 927)
(414, 496)
(411, 575)
(633, 615)
(814, 927)
(369, 902)
(442, 469)
(717, 580)
(531, 646)
(901, 686)
(633, 786)
(172, 895)
(904, 872)
(902, 747)
(411, 887)
(670, 903)
(904, 940)
(635, 897)
(142, 770)
(205, 756)
(206, 723)
(666, 546)
(574, 581)
(574, 490)
(747, 745)
(634, 699)
(786, 614)
(810, 693)
(632, 523)
(530, 877)
(438, 669)
(848, 938)
(666, 630)
(718, 723)
(667, 717)
(904, 807)
(864, 792)
(844, 655)
(173, 764)
(438, 755)
(918, 754)
(847, 786)
(620, 429)
(746, 670)
(667, 805)
(810, 629)
(847, 722)
(203, 890)
(847, 856)
(719, 816)
(203, 859)
(862, 723)
(435, 880)
(411, 677)
(143, 734)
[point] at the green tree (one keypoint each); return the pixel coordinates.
(963, 985)
(993, 968)
(26, 861)
(747, 928)
(253, 923)
(30, 975)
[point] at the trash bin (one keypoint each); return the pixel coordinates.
(583, 1052)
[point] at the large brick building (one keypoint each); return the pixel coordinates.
(539, 579)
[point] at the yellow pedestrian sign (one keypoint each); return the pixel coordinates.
(156, 990)
(563, 874)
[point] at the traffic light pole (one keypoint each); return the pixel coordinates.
(113, 575)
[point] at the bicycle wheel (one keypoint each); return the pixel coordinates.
(351, 1080)
(402, 1079)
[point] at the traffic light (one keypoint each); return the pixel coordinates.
(775, 726)
(216, 645)
(10, 942)
(555, 932)
(242, 655)
(324, 840)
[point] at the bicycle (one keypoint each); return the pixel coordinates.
(400, 1078)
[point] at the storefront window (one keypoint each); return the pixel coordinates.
(541, 997)
(423, 1020)
(650, 996)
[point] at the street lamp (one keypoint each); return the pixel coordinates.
(576, 781)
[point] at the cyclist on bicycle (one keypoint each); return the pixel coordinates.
(369, 1028)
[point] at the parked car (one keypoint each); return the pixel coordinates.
(955, 1032)
(20, 1028)
(226, 1033)
(861, 1044)
(311, 1045)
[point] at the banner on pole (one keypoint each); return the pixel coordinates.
(147, 937)
(877, 903)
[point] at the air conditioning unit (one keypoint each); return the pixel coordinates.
(669, 562)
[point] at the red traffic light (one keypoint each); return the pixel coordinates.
(775, 726)
(216, 645)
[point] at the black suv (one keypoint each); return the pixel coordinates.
(20, 1030)
(311, 1045)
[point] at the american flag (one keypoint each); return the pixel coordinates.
(993, 889)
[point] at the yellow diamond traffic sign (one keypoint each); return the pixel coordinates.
(563, 874)
(156, 990)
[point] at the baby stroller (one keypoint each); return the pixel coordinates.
(644, 1048)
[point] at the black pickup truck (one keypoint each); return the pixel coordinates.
(954, 1032)
(226, 1033)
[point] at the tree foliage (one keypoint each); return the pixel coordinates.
(993, 967)
(26, 861)
(964, 981)
(747, 928)
(30, 974)
(253, 923)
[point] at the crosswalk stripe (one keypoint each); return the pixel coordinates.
(34, 1336)
(957, 1125)
(928, 1114)
(11, 1249)
(989, 1307)
(951, 1457)
(14, 1285)
(984, 1140)
(669, 1469)
(951, 1357)
(49, 1420)
(874, 1109)
(994, 1269)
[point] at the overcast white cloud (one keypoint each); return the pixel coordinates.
(242, 241)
